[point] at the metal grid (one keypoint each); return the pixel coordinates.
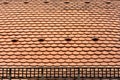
(60, 72)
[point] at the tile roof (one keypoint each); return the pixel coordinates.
(59, 33)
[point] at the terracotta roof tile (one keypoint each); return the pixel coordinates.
(67, 33)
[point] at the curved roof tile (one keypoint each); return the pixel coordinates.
(59, 33)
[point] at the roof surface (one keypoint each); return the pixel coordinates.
(59, 33)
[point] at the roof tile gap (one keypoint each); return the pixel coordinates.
(95, 39)
(87, 2)
(26, 2)
(40, 40)
(46, 2)
(66, 2)
(68, 39)
(5, 2)
(108, 2)
(14, 40)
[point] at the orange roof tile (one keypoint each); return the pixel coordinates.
(59, 33)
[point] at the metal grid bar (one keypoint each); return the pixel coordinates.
(61, 72)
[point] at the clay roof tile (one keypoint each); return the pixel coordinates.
(35, 33)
